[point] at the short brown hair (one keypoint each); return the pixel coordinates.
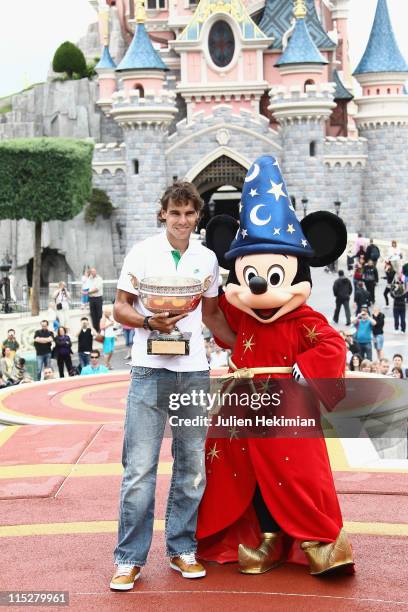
(180, 192)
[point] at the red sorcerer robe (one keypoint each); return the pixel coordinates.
(294, 475)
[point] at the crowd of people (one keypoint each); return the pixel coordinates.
(365, 331)
(54, 340)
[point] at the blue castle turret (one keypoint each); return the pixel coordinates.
(383, 120)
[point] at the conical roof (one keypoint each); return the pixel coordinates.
(382, 53)
(106, 60)
(301, 49)
(141, 55)
(277, 18)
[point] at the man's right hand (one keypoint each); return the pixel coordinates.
(164, 323)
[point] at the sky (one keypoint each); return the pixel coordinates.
(31, 30)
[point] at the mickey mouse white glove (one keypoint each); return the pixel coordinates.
(298, 376)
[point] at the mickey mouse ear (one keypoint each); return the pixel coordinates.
(327, 236)
(220, 232)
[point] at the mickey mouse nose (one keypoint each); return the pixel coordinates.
(258, 285)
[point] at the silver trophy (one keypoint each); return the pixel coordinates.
(175, 295)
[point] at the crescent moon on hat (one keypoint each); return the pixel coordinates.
(256, 220)
(253, 174)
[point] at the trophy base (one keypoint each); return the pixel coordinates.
(168, 344)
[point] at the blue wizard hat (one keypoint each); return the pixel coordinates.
(268, 223)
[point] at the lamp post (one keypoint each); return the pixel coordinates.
(305, 202)
(335, 265)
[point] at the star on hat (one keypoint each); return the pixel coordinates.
(267, 214)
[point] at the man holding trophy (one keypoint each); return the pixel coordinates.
(167, 287)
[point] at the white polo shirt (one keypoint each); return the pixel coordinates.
(153, 257)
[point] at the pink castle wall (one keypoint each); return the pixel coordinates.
(153, 83)
(106, 88)
(208, 107)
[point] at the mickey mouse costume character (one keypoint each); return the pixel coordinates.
(267, 500)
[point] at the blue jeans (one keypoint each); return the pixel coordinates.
(84, 359)
(129, 335)
(146, 416)
(43, 361)
(365, 350)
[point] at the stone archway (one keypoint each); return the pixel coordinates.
(220, 173)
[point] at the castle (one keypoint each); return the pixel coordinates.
(197, 91)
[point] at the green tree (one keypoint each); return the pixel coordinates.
(43, 179)
(69, 58)
(99, 204)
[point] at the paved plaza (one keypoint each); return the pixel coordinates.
(59, 484)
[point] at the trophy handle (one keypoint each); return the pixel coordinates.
(134, 281)
(207, 283)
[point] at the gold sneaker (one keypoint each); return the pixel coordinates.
(125, 577)
(188, 566)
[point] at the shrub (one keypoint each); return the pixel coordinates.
(99, 204)
(69, 58)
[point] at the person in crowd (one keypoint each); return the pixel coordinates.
(63, 350)
(62, 300)
(85, 289)
(364, 325)
(375, 366)
(342, 290)
(107, 327)
(49, 373)
(394, 256)
(6, 365)
(85, 342)
(397, 362)
(43, 341)
(52, 317)
(372, 252)
(389, 277)
(378, 331)
(361, 298)
(95, 293)
(397, 373)
(129, 333)
(355, 362)
(399, 305)
(218, 358)
(360, 245)
(384, 367)
(370, 278)
(358, 271)
(19, 372)
(94, 367)
(11, 343)
(366, 366)
(350, 261)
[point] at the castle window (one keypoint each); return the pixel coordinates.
(155, 5)
(378, 92)
(140, 89)
(136, 166)
(308, 82)
(312, 148)
(368, 92)
(388, 91)
(221, 43)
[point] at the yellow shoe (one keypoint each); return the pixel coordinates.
(326, 558)
(125, 577)
(270, 553)
(188, 566)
